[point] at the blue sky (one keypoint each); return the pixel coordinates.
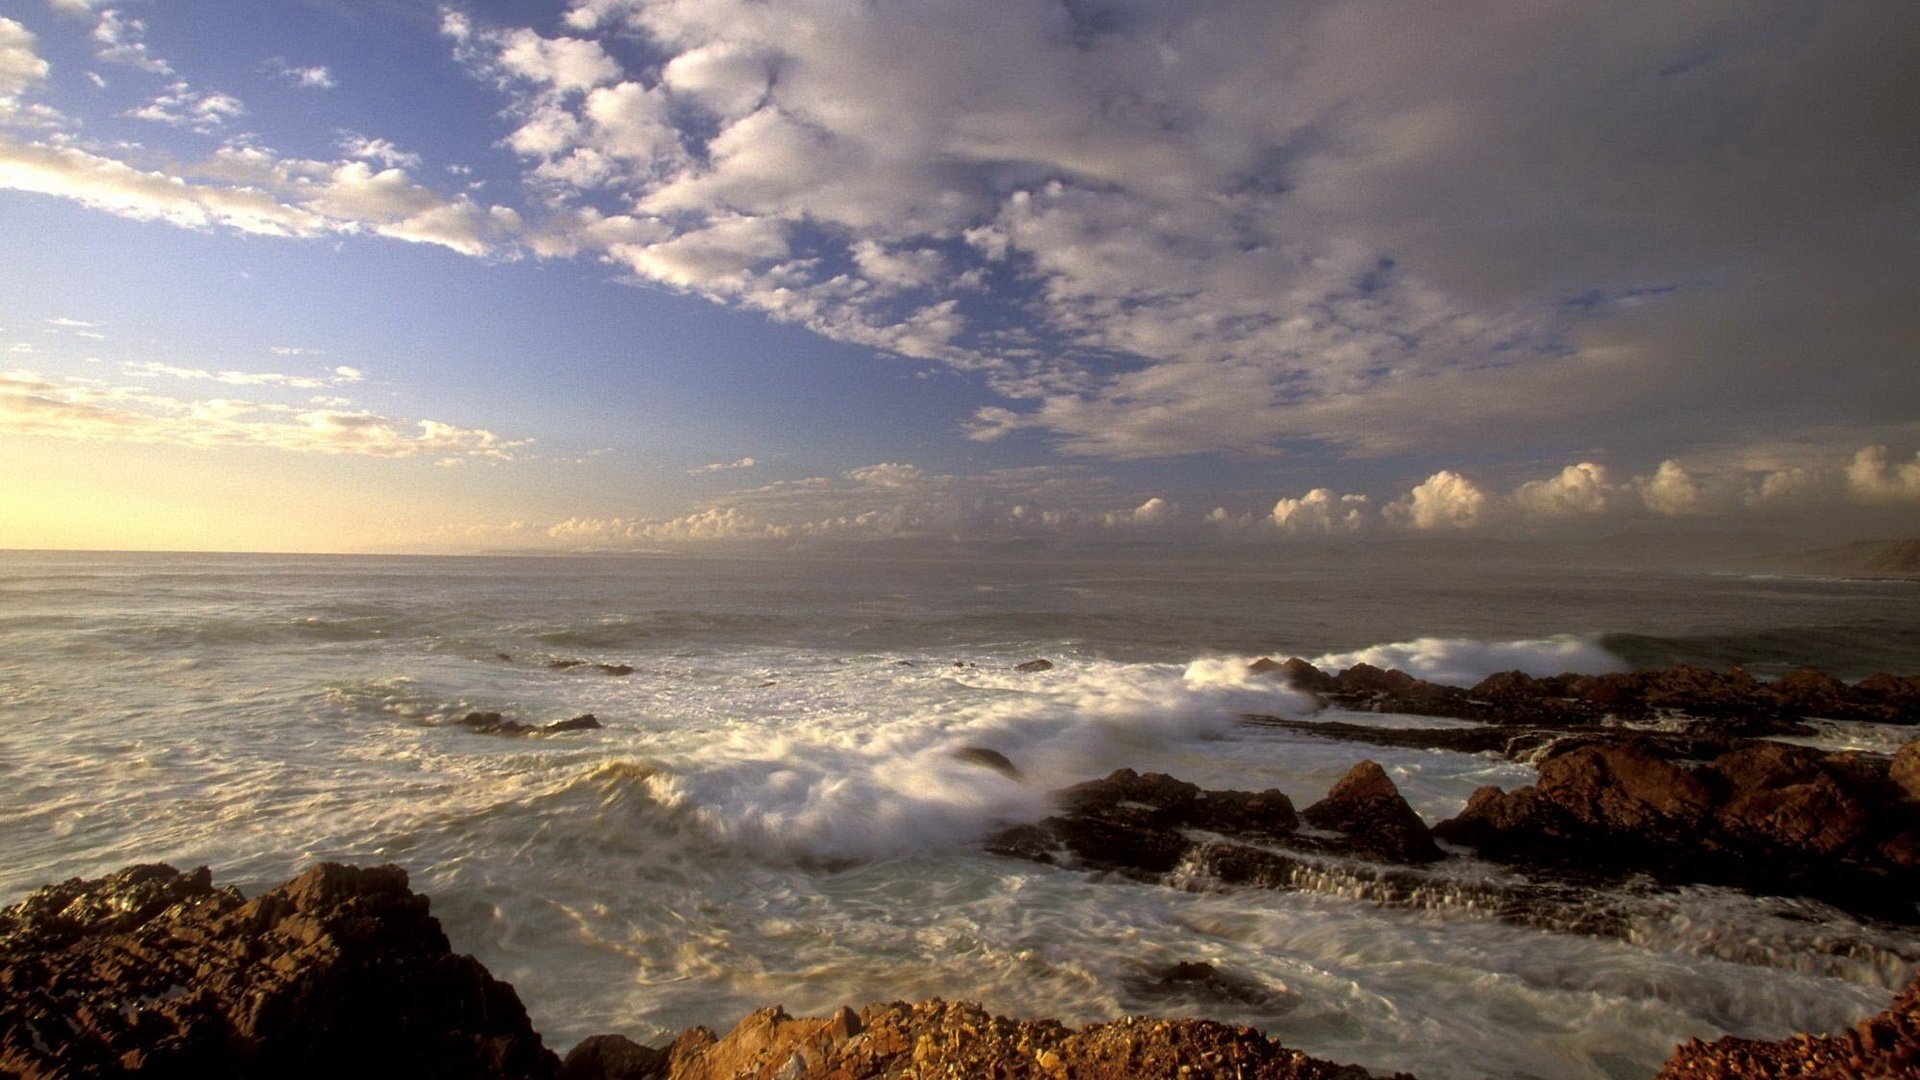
(643, 274)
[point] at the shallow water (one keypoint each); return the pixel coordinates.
(774, 813)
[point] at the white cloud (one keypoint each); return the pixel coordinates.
(1872, 478)
(1579, 490)
(314, 77)
(123, 41)
(183, 106)
(380, 151)
(20, 66)
(45, 406)
(1445, 500)
(1321, 512)
(1671, 491)
(723, 466)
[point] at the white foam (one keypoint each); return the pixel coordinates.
(1466, 661)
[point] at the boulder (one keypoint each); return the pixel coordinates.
(151, 972)
(988, 759)
(583, 722)
(1367, 807)
(613, 1057)
(1624, 788)
(1034, 665)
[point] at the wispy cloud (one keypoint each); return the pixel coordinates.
(313, 77)
(722, 466)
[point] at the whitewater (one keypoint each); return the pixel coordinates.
(774, 811)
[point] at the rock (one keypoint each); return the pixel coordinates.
(1367, 807)
(340, 971)
(616, 669)
(1034, 665)
(1266, 665)
(492, 723)
(1259, 814)
(1191, 979)
(1905, 771)
(1306, 678)
(583, 722)
(1623, 788)
(504, 658)
(1884, 1045)
(988, 759)
(565, 665)
(938, 1038)
(613, 1057)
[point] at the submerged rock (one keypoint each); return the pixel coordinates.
(492, 723)
(616, 669)
(1034, 665)
(989, 759)
(151, 972)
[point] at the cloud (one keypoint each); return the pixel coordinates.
(1872, 478)
(45, 406)
(380, 151)
(1445, 500)
(123, 41)
(1320, 512)
(20, 66)
(723, 466)
(1578, 490)
(183, 106)
(252, 190)
(243, 378)
(315, 77)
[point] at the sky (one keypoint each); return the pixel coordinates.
(639, 275)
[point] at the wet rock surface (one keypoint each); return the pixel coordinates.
(1739, 703)
(151, 972)
(1884, 1045)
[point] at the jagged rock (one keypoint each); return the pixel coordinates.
(583, 722)
(1368, 808)
(988, 759)
(613, 1057)
(1884, 1045)
(150, 972)
(1305, 677)
(1623, 788)
(943, 1039)
(1034, 665)
(1266, 665)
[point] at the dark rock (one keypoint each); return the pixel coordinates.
(1624, 788)
(616, 669)
(1884, 1045)
(1191, 979)
(613, 1057)
(565, 665)
(1367, 807)
(1257, 814)
(1034, 665)
(938, 1038)
(1127, 796)
(584, 722)
(988, 759)
(492, 723)
(1266, 665)
(503, 657)
(903, 663)
(149, 972)
(1305, 677)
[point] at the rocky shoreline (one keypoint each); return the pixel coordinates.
(153, 972)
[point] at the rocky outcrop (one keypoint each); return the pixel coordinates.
(1740, 703)
(1886, 1044)
(1034, 665)
(1767, 817)
(1367, 808)
(957, 1039)
(342, 971)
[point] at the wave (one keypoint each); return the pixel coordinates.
(1466, 661)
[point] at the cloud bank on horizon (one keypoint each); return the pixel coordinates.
(1344, 236)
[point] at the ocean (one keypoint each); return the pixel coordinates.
(773, 812)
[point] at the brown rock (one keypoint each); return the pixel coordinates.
(1367, 807)
(1034, 665)
(1305, 677)
(1622, 788)
(1905, 771)
(938, 1038)
(1885, 1045)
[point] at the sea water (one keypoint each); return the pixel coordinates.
(774, 812)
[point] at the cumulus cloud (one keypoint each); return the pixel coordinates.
(123, 41)
(313, 77)
(1872, 477)
(183, 106)
(1445, 500)
(1320, 512)
(1578, 490)
(723, 466)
